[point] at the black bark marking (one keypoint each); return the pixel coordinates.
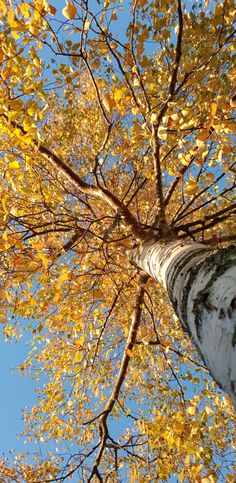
(201, 301)
(221, 314)
(233, 303)
(221, 261)
(232, 307)
(182, 265)
(234, 337)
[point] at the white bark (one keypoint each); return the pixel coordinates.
(201, 284)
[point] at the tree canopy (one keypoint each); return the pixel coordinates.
(117, 121)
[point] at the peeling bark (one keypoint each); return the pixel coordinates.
(201, 284)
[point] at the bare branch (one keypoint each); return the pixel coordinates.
(222, 193)
(213, 216)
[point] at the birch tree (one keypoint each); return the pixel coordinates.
(117, 125)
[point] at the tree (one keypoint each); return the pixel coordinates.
(117, 148)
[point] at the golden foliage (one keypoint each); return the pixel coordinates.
(100, 136)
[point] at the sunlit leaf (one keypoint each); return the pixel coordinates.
(69, 11)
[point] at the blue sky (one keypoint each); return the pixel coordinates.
(16, 393)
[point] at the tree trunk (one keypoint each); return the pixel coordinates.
(201, 284)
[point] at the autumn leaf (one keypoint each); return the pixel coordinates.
(192, 410)
(69, 11)
(191, 187)
(52, 10)
(203, 135)
(87, 24)
(3, 7)
(213, 108)
(14, 165)
(109, 103)
(25, 9)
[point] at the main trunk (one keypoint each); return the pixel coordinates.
(201, 284)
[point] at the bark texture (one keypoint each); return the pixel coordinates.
(201, 284)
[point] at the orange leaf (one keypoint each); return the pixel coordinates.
(109, 103)
(69, 11)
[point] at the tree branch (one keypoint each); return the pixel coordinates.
(178, 52)
(205, 226)
(160, 216)
(213, 216)
(136, 318)
(83, 186)
(227, 190)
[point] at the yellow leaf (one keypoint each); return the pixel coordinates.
(32, 28)
(135, 110)
(217, 127)
(36, 62)
(191, 187)
(154, 117)
(64, 276)
(4, 205)
(209, 410)
(133, 476)
(187, 459)
(27, 139)
(3, 316)
(28, 124)
(11, 19)
(213, 108)
(179, 427)
(162, 134)
(186, 112)
(69, 11)
(44, 259)
(79, 342)
(87, 25)
(14, 165)
(78, 357)
(192, 410)
(3, 8)
(136, 82)
(183, 160)
(31, 110)
(118, 93)
(172, 172)
(196, 469)
(25, 9)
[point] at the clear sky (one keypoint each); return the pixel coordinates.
(16, 393)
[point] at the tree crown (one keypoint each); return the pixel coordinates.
(117, 123)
